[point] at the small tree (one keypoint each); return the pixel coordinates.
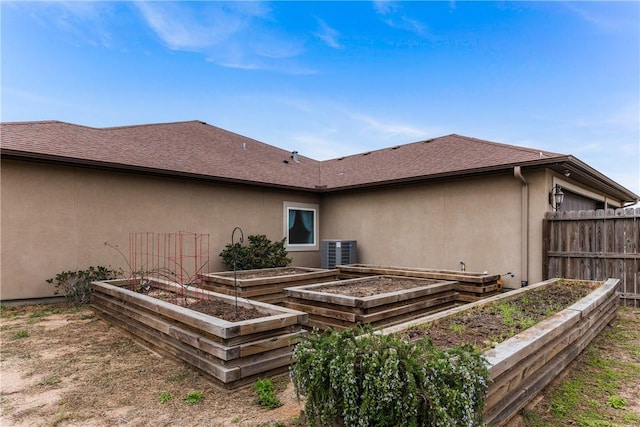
(259, 253)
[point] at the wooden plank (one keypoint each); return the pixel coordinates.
(596, 298)
(251, 326)
(404, 309)
(326, 322)
(305, 273)
(464, 297)
(600, 255)
(521, 372)
(260, 346)
(217, 349)
(309, 294)
(272, 313)
(510, 352)
(499, 414)
(364, 269)
(192, 318)
(267, 363)
(164, 345)
(476, 289)
(324, 312)
(405, 294)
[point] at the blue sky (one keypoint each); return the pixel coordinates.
(335, 78)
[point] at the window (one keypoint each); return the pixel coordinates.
(301, 226)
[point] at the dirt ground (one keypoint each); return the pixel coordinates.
(373, 286)
(62, 366)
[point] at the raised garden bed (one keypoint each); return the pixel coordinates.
(521, 366)
(470, 286)
(233, 353)
(266, 284)
(378, 301)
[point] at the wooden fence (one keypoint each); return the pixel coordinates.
(595, 245)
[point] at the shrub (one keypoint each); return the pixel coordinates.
(259, 253)
(367, 379)
(76, 285)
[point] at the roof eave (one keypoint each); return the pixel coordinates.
(449, 174)
(94, 164)
(598, 180)
(583, 171)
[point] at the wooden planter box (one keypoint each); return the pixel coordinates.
(520, 367)
(269, 286)
(232, 354)
(343, 311)
(470, 286)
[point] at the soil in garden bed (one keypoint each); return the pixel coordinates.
(225, 311)
(372, 286)
(212, 307)
(486, 326)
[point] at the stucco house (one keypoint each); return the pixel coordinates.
(67, 189)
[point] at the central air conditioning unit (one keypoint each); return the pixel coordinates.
(338, 252)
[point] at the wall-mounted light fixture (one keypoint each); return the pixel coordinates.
(556, 197)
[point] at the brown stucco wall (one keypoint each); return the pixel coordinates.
(474, 220)
(56, 218)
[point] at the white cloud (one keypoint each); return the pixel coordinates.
(231, 34)
(328, 35)
(393, 16)
(185, 27)
(605, 18)
(81, 23)
(375, 126)
(385, 7)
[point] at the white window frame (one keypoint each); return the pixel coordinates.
(299, 247)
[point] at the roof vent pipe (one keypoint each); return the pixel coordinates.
(294, 156)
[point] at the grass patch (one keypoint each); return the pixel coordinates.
(44, 312)
(194, 397)
(49, 382)
(19, 335)
(165, 397)
(599, 384)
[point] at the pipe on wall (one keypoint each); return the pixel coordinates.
(524, 226)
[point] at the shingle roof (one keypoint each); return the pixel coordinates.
(186, 148)
(196, 149)
(443, 156)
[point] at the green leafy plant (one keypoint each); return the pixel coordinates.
(76, 285)
(194, 397)
(259, 253)
(266, 394)
(361, 378)
(457, 328)
(19, 335)
(617, 402)
(165, 397)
